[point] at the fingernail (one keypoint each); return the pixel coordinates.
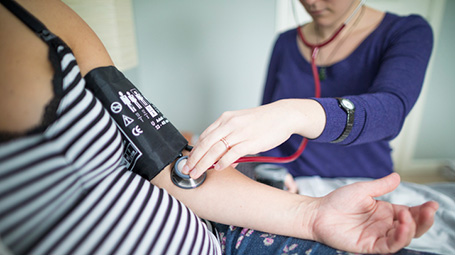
(193, 175)
(217, 166)
(185, 169)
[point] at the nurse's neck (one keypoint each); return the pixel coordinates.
(324, 32)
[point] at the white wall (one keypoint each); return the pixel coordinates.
(437, 136)
(200, 58)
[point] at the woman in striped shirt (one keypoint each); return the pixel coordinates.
(65, 190)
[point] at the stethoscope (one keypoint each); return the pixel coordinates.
(315, 47)
(186, 182)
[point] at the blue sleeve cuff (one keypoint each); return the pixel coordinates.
(336, 121)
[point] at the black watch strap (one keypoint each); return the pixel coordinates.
(349, 108)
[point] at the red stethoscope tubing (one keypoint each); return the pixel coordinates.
(314, 53)
(275, 159)
(317, 91)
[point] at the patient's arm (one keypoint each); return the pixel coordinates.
(230, 197)
(348, 218)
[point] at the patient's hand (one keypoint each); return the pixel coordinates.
(351, 219)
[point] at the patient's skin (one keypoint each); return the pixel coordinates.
(26, 72)
(368, 225)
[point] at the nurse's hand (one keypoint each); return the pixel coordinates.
(250, 131)
(350, 218)
(291, 184)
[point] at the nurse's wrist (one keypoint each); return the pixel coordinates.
(335, 115)
(306, 116)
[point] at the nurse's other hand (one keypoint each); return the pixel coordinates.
(291, 184)
(350, 218)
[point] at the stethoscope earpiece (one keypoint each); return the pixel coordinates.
(184, 181)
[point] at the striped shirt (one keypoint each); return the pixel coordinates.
(66, 191)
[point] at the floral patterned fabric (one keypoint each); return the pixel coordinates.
(235, 240)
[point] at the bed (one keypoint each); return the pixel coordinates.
(439, 239)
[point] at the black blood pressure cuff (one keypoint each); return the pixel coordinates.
(150, 141)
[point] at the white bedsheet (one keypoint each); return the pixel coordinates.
(439, 239)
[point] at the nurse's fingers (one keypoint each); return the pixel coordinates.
(210, 129)
(230, 157)
(214, 154)
(291, 184)
(204, 145)
(204, 154)
(218, 127)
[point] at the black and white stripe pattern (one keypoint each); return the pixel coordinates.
(65, 191)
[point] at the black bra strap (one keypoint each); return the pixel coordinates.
(48, 37)
(33, 23)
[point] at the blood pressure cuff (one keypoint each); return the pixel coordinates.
(150, 141)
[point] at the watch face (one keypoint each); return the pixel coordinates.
(347, 103)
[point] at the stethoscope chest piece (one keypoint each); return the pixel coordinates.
(184, 181)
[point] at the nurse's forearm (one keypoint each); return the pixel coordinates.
(307, 116)
(231, 198)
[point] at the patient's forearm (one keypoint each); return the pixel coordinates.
(231, 198)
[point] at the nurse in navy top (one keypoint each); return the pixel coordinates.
(345, 81)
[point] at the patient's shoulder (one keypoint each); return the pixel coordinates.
(26, 85)
(65, 23)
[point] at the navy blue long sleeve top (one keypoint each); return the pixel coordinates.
(383, 77)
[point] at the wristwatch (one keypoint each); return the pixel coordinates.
(349, 108)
